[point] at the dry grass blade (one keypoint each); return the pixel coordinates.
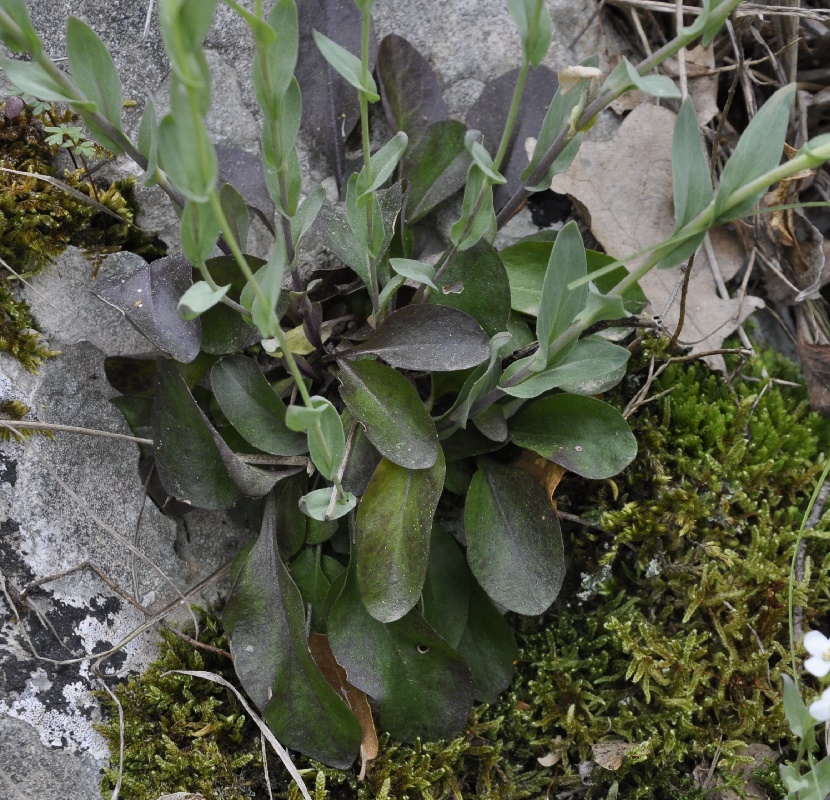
(264, 729)
(64, 187)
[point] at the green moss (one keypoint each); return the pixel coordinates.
(38, 221)
(669, 637)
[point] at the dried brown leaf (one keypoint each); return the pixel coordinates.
(703, 81)
(611, 755)
(750, 790)
(814, 352)
(625, 185)
(545, 473)
(337, 678)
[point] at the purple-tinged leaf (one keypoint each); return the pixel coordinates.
(244, 172)
(187, 456)
(435, 167)
(265, 620)
(411, 94)
(489, 115)
(330, 105)
(194, 463)
(148, 297)
(431, 338)
(392, 539)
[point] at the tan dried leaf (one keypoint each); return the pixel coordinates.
(336, 677)
(625, 185)
(611, 755)
(545, 473)
(759, 753)
(702, 79)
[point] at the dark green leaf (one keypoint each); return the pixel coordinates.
(313, 585)
(412, 97)
(429, 338)
(476, 282)
(265, 621)
(422, 686)
(291, 523)
(224, 331)
(488, 646)
(582, 434)
(435, 168)
(236, 213)
(362, 463)
(253, 407)
(492, 423)
(514, 544)
(392, 540)
(391, 412)
(446, 593)
(187, 455)
(93, 71)
(148, 296)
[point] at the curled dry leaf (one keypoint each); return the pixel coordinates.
(702, 79)
(792, 247)
(337, 678)
(602, 172)
(546, 473)
(612, 755)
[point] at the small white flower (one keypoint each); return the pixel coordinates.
(818, 646)
(820, 709)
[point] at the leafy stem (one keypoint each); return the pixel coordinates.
(367, 158)
(228, 234)
(684, 38)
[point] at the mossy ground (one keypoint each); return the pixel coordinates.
(39, 220)
(669, 636)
